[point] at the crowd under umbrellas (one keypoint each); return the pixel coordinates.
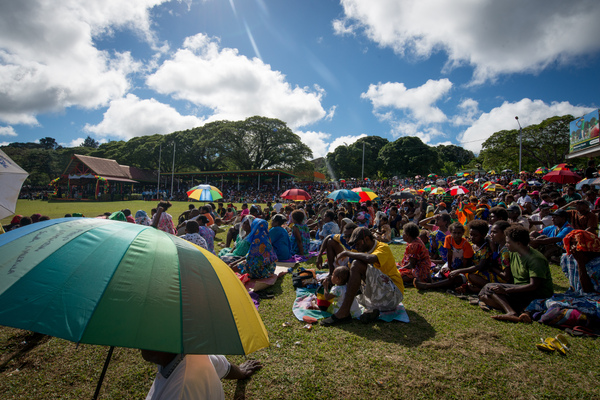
(103, 311)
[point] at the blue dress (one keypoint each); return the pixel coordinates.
(281, 242)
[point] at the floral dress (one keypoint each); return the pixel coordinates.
(305, 235)
(422, 269)
(261, 258)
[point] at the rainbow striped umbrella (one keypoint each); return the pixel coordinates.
(429, 188)
(365, 193)
(114, 283)
(205, 193)
(493, 187)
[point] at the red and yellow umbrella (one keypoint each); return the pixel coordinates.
(365, 193)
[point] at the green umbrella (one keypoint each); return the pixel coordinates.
(114, 283)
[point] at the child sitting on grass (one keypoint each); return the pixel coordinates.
(384, 234)
(337, 293)
(460, 255)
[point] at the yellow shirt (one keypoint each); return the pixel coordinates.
(387, 264)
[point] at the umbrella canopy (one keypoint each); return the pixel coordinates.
(440, 182)
(469, 182)
(344, 194)
(487, 184)
(438, 191)
(561, 176)
(11, 179)
(456, 190)
(365, 193)
(113, 283)
(296, 194)
(432, 176)
(534, 183)
(402, 195)
(492, 172)
(205, 193)
(479, 180)
(541, 170)
(591, 182)
(493, 187)
(515, 182)
(506, 171)
(410, 190)
(429, 188)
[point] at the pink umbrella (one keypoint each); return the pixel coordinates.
(456, 190)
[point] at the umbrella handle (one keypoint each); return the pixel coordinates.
(99, 385)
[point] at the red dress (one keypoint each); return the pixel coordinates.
(417, 250)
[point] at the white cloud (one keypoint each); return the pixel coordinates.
(75, 142)
(7, 131)
(316, 141)
(469, 109)
(343, 141)
(494, 37)
(503, 118)
(130, 117)
(4, 143)
(418, 102)
(48, 59)
(233, 86)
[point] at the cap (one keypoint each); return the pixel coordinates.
(535, 192)
(442, 204)
(359, 233)
(560, 213)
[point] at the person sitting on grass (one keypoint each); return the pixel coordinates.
(259, 261)
(384, 233)
(335, 244)
(531, 274)
(192, 235)
(550, 240)
(415, 264)
(207, 233)
(300, 235)
(163, 220)
(482, 257)
(439, 230)
(337, 293)
(499, 269)
(194, 376)
(279, 238)
(460, 256)
(240, 248)
(373, 271)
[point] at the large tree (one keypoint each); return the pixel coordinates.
(544, 144)
(454, 154)
(409, 156)
(260, 143)
(346, 161)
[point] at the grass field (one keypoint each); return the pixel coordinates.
(449, 350)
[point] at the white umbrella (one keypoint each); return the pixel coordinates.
(11, 179)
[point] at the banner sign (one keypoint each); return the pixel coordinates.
(585, 132)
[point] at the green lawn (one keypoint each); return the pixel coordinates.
(449, 350)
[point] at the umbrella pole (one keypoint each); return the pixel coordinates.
(99, 385)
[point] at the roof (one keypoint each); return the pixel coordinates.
(98, 166)
(140, 175)
(236, 173)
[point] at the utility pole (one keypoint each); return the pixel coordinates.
(362, 178)
(158, 183)
(520, 143)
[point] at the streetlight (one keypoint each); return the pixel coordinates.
(520, 142)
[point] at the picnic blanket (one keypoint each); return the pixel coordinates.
(305, 296)
(298, 259)
(264, 283)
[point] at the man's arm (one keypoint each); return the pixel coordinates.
(243, 371)
(364, 257)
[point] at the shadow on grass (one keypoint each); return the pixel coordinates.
(417, 331)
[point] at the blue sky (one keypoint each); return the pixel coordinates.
(334, 71)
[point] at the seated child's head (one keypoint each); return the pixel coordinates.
(340, 275)
(384, 220)
(457, 230)
(424, 236)
(298, 217)
(478, 229)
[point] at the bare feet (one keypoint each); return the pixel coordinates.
(419, 285)
(507, 318)
(525, 318)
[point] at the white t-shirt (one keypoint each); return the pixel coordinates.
(278, 206)
(196, 377)
(522, 200)
(547, 220)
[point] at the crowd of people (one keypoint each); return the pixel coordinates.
(491, 247)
